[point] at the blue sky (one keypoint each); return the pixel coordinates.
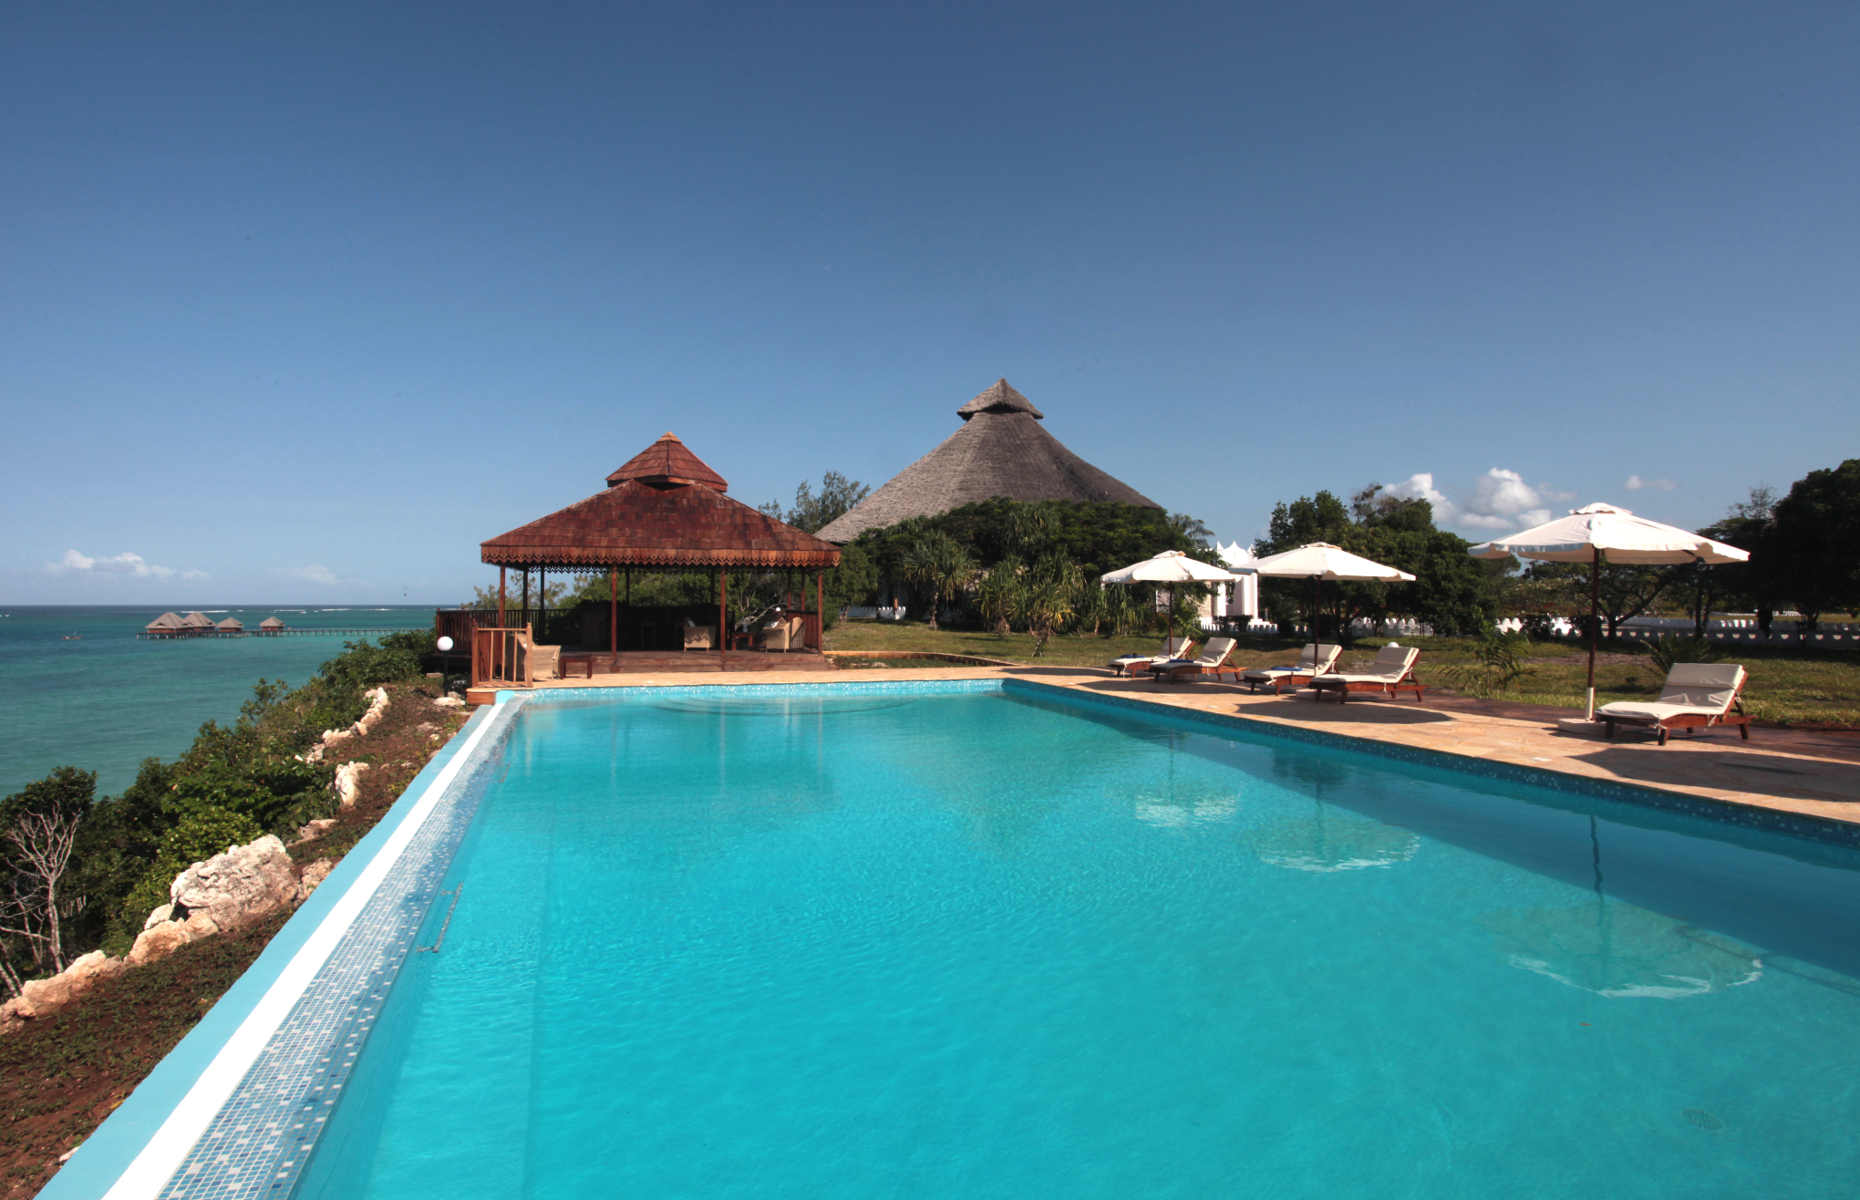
(303, 302)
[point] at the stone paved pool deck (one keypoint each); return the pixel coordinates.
(1802, 771)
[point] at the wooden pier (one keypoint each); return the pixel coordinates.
(209, 634)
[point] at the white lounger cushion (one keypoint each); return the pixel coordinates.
(1706, 689)
(1213, 655)
(1392, 662)
(1311, 650)
(1171, 648)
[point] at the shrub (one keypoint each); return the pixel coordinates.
(1665, 653)
(195, 838)
(1498, 659)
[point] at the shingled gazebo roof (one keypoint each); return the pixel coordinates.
(664, 508)
(1000, 450)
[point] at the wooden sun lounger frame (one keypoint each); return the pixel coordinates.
(1733, 714)
(1341, 683)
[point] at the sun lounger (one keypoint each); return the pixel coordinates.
(1696, 695)
(1211, 661)
(1315, 660)
(543, 662)
(1392, 671)
(1137, 664)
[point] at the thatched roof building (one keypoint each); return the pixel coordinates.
(230, 625)
(664, 508)
(197, 620)
(166, 623)
(1000, 450)
(272, 624)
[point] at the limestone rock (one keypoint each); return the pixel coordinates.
(377, 708)
(316, 872)
(348, 782)
(159, 941)
(315, 829)
(41, 996)
(92, 966)
(244, 884)
(449, 702)
(158, 915)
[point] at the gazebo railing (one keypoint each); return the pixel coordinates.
(500, 655)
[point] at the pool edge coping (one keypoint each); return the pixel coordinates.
(119, 1157)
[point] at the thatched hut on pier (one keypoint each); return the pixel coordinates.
(231, 625)
(1000, 450)
(271, 625)
(167, 625)
(197, 622)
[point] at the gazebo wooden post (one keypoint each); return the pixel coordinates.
(500, 596)
(526, 595)
(542, 597)
(613, 612)
(723, 618)
(820, 610)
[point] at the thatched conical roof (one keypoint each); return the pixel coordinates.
(1000, 450)
(271, 623)
(166, 621)
(197, 620)
(231, 625)
(664, 508)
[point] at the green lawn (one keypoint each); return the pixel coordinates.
(1785, 688)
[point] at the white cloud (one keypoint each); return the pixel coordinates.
(315, 573)
(1420, 486)
(1635, 483)
(128, 563)
(1502, 499)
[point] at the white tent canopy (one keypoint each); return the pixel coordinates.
(1240, 560)
(1594, 531)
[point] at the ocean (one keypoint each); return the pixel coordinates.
(106, 699)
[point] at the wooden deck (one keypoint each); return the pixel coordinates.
(631, 667)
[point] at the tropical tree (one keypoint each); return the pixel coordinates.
(813, 511)
(939, 563)
(1814, 549)
(1052, 584)
(38, 831)
(999, 597)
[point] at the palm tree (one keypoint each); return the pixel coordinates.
(938, 562)
(999, 596)
(1047, 602)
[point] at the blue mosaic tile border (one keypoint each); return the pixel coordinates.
(1802, 825)
(261, 1139)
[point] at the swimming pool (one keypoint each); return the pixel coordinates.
(996, 942)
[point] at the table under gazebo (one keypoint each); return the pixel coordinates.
(664, 510)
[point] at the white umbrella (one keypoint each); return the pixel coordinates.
(1171, 566)
(1321, 560)
(1589, 533)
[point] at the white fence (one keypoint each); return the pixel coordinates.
(869, 612)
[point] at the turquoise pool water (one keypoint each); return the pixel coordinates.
(989, 945)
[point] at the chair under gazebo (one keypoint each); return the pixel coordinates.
(664, 510)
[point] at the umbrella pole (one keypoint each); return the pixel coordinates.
(1595, 620)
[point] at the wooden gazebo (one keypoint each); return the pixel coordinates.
(663, 510)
